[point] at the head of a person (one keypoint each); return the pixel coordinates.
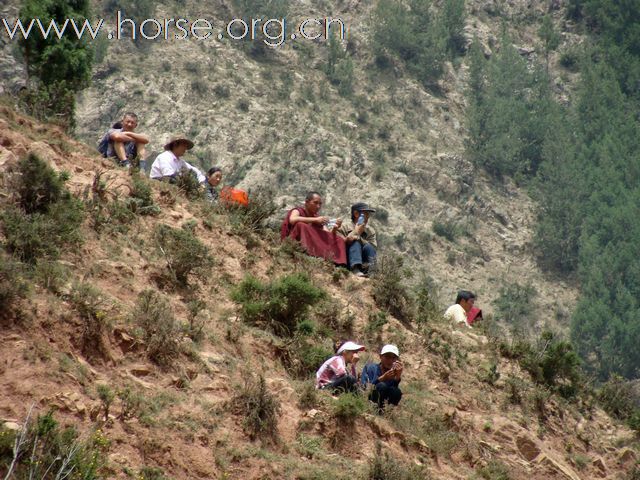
(179, 145)
(361, 208)
(388, 355)
(313, 203)
(465, 299)
(214, 176)
(349, 350)
(129, 122)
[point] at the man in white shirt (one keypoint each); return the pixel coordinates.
(458, 312)
(169, 163)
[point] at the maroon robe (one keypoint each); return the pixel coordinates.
(316, 241)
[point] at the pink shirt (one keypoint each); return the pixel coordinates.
(332, 369)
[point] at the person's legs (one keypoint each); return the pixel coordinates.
(345, 383)
(354, 254)
(368, 257)
(139, 150)
(394, 395)
(120, 150)
(383, 393)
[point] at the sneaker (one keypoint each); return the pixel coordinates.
(358, 273)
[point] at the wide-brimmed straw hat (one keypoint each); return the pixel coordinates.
(173, 139)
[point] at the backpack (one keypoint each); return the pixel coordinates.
(232, 196)
(103, 145)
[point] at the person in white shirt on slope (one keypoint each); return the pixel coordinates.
(169, 163)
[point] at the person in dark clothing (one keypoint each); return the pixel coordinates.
(360, 239)
(385, 377)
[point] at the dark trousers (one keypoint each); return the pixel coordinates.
(359, 253)
(345, 383)
(384, 393)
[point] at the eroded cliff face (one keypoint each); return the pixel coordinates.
(276, 121)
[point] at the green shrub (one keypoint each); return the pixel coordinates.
(389, 291)
(303, 357)
(38, 235)
(427, 310)
(141, 198)
(449, 230)
(38, 186)
(152, 473)
(375, 323)
(417, 36)
(188, 184)
(184, 253)
(551, 362)
(106, 396)
(159, 328)
(51, 274)
(260, 409)
(280, 304)
(13, 286)
(494, 470)
(252, 219)
(514, 305)
(348, 407)
(384, 467)
(131, 402)
(308, 396)
(48, 451)
(617, 397)
(88, 301)
(48, 216)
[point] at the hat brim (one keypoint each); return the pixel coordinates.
(354, 348)
(170, 145)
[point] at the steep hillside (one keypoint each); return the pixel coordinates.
(76, 344)
(279, 122)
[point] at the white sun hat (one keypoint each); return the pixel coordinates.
(350, 346)
(390, 349)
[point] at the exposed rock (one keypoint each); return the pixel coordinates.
(556, 466)
(10, 425)
(626, 456)
(45, 152)
(527, 448)
(598, 463)
(140, 371)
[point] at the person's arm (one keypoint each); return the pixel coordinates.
(371, 238)
(121, 137)
(295, 217)
(138, 137)
(201, 177)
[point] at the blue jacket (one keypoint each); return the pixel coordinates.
(370, 374)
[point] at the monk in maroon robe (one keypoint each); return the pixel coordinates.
(305, 225)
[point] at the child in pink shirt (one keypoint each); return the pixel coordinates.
(333, 373)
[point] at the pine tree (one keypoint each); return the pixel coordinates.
(57, 68)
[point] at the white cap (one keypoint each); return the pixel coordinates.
(350, 346)
(390, 349)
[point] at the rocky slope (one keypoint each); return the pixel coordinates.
(467, 412)
(280, 123)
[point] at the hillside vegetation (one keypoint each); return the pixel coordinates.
(128, 359)
(152, 335)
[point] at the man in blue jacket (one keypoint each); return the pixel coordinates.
(385, 377)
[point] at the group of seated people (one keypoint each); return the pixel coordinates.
(125, 146)
(338, 374)
(352, 244)
(382, 378)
